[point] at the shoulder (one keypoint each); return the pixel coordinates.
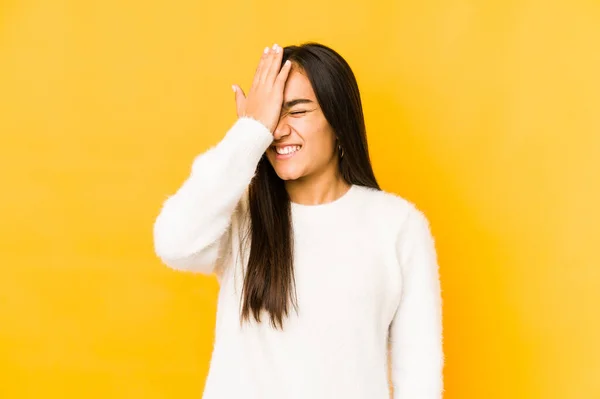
(395, 217)
(393, 208)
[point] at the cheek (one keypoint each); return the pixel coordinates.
(321, 146)
(320, 151)
(318, 143)
(317, 137)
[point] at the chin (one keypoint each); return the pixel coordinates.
(287, 174)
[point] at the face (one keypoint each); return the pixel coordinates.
(304, 143)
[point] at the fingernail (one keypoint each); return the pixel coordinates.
(233, 87)
(275, 46)
(266, 50)
(288, 62)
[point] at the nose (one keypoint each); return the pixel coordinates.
(282, 129)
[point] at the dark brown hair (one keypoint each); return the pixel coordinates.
(269, 279)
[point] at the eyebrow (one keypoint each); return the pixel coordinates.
(290, 104)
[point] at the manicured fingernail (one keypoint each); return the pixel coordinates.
(275, 46)
(288, 62)
(266, 50)
(233, 88)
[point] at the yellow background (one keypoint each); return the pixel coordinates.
(484, 113)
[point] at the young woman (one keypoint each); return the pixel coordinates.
(323, 276)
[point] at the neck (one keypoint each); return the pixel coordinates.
(316, 190)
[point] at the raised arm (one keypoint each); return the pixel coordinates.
(416, 331)
(192, 229)
(192, 226)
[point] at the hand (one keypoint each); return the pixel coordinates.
(265, 97)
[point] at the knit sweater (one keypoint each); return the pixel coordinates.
(366, 278)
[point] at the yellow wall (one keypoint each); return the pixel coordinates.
(486, 114)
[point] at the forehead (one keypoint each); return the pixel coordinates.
(297, 85)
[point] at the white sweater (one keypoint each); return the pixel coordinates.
(366, 280)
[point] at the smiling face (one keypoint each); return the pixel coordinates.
(304, 143)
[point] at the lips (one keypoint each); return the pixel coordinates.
(286, 151)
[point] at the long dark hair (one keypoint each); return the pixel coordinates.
(269, 279)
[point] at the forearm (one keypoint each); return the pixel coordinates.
(416, 331)
(198, 214)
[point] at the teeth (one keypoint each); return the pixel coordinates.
(287, 150)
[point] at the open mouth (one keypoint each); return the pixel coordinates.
(285, 152)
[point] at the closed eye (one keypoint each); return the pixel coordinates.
(296, 113)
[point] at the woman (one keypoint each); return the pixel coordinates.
(321, 273)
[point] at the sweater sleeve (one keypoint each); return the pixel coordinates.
(194, 222)
(416, 330)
